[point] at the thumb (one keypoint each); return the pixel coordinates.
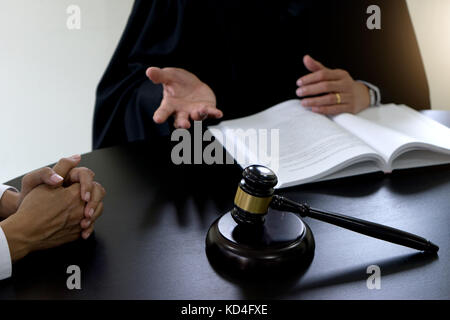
(64, 165)
(157, 75)
(311, 64)
(41, 176)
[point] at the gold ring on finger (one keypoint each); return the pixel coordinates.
(338, 98)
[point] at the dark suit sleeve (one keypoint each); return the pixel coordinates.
(126, 99)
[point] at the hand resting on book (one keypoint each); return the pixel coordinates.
(339, 93)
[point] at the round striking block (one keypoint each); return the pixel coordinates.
(284, 243)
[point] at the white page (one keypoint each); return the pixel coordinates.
(311, 145)
(395, 129)
(384, 140)
(409, 122)
(356, 169)
(420, 158)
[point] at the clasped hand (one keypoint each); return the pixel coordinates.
(55, 205)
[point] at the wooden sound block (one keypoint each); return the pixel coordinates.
(283, 244)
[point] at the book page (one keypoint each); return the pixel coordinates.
(395, 129)
(419, 158)
(384, 140)
(409, 122)
(310, 145)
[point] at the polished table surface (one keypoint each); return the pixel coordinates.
(150, 241)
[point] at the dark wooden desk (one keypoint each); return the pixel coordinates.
(149, 244)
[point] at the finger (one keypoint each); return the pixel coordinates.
(319, 88)
(311, 64)
(205, 111)
(161, 114)
(86, 233)
(85, 177)
(86, 222)
(214, 113)
(325, 100)
(158, 75)
(41, 176)
(98, 212)
(333, 109)
(98, 193)
(182, 120)
(318, 76)
(199, 113)
(64, 165)
(74, 203)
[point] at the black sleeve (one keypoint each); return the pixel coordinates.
(126, 99)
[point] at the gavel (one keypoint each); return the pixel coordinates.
(255, 194)
(248, 238)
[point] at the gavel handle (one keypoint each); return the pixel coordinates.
(368, 228)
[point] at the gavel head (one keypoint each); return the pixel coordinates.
(254, 195)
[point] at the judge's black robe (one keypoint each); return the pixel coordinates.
(250, 53)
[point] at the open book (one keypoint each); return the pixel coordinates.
(313, 147)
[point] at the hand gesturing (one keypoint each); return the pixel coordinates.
(185, 97)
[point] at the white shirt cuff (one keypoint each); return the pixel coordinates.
(5, 257)
(376, 99)
(3, 189)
